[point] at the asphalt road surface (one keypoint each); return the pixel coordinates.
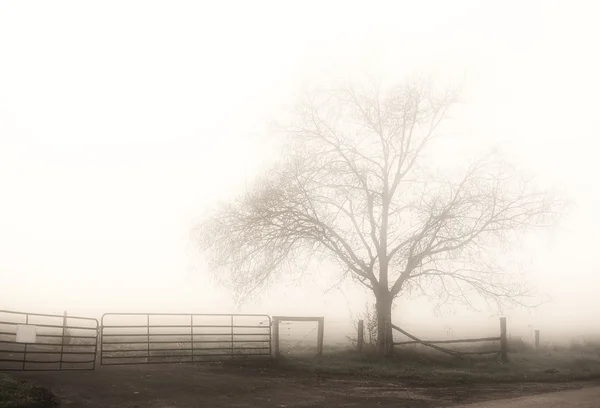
(584, 398)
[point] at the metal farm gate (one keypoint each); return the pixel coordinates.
(141, 338)
(43, 342)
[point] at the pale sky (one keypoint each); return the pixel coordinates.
(122, 122)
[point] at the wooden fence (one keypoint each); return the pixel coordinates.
(503, 350)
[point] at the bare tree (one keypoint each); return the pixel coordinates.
(354, 189)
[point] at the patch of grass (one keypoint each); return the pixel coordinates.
(16, 393)
(425, 366)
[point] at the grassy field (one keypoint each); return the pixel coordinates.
(422, 365)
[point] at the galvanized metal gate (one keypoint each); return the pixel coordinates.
(142, 338)
(43, 342)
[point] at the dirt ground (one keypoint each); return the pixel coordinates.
(202, 385)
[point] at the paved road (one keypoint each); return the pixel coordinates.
(584, 398)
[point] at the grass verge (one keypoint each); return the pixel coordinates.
(15, 393)
(428, 367)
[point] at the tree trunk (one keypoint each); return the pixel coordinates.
(383, 307)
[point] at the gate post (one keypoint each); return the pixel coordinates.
(503, 341)
(321, 329)
(98, 351)
(275, 339)
(361, 336)
(64, 339)
(64, 327)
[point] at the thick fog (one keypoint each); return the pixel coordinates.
(122, 123)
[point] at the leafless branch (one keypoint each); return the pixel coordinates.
(353, 191)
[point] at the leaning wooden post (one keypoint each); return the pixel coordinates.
(537, 339)
(361, 336)
(320, 336)
(275, 337)
(503, 341)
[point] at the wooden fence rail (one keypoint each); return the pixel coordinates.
(503, 351)
(449, 341)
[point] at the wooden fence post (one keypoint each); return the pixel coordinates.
(275, 337)
(537, 339)
(361, 336)
(64, 329)
(64, 339)
(320, 335)
(503, 341)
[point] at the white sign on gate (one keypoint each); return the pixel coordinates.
(26, 333)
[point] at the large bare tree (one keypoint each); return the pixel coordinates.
(354, 188)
